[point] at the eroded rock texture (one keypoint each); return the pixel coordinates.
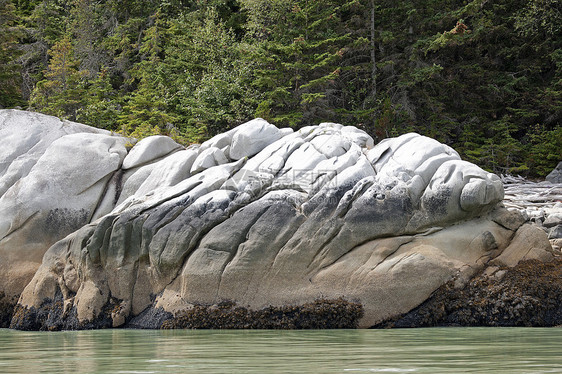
(53, 176)
(262, 218)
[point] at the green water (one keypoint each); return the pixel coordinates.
(446, 350)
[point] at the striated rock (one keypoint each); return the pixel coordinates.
(273, 221)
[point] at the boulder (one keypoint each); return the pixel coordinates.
(530, 242)
(267, 218)
(552, 220)
(150, 149)
(252, 137)
(208, 158)
(555, 232)
(555, 176)
(52, 177)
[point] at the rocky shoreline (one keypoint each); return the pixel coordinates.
(259, 227)
(528, 294)
(540, 202)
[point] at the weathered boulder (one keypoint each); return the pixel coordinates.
(53, 175)
(262, 218)
(555, 176)
(524, 247)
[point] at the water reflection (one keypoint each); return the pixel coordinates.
(450, 350)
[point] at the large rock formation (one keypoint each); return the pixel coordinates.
(258, 217)
(53, 177)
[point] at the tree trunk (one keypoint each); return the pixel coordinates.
(373, 52)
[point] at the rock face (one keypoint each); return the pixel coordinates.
(262, 218)
(54, 177)
(555, 176)
(529, 294)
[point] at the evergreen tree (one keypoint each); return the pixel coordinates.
(482, 76)
(10, 90)
(204, 76)
(61, 92)
(298, 67)
(144, 111)
(101, 106)
(87, 31)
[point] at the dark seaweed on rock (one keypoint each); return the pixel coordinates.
(529, 294)
(7, 305)
(51, 316)
(319, 314)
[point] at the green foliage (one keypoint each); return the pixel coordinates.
(483, 76)
(10, 93)
(544, 149)
(101, 107)
(542, 18)
(61, 93)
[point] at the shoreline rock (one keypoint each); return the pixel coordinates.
(529, 294)
(268, 219)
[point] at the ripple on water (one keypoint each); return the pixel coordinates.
(450, 350)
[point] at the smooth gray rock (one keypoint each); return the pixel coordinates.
(552, 220)
(251, 137)
(286, 218)
(530, 242)
(25, 137)
(555, 176)
(54, 175)
(208, 158)
(555, 232)
(150, 149)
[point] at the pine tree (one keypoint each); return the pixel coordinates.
(10, 79)
(144, 111)
(300, 48)
(86, 30)
(100, 103)
(203, 75)
(61, 92)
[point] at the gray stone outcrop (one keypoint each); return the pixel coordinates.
(555, 176)
(259, 216)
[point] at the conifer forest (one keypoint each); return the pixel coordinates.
(483, 76)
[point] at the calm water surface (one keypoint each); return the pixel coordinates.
(447, 350)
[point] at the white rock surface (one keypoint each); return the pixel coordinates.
(251, 137)
(54, 173)
(150, 149)
(263, 216)
(208, 158)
